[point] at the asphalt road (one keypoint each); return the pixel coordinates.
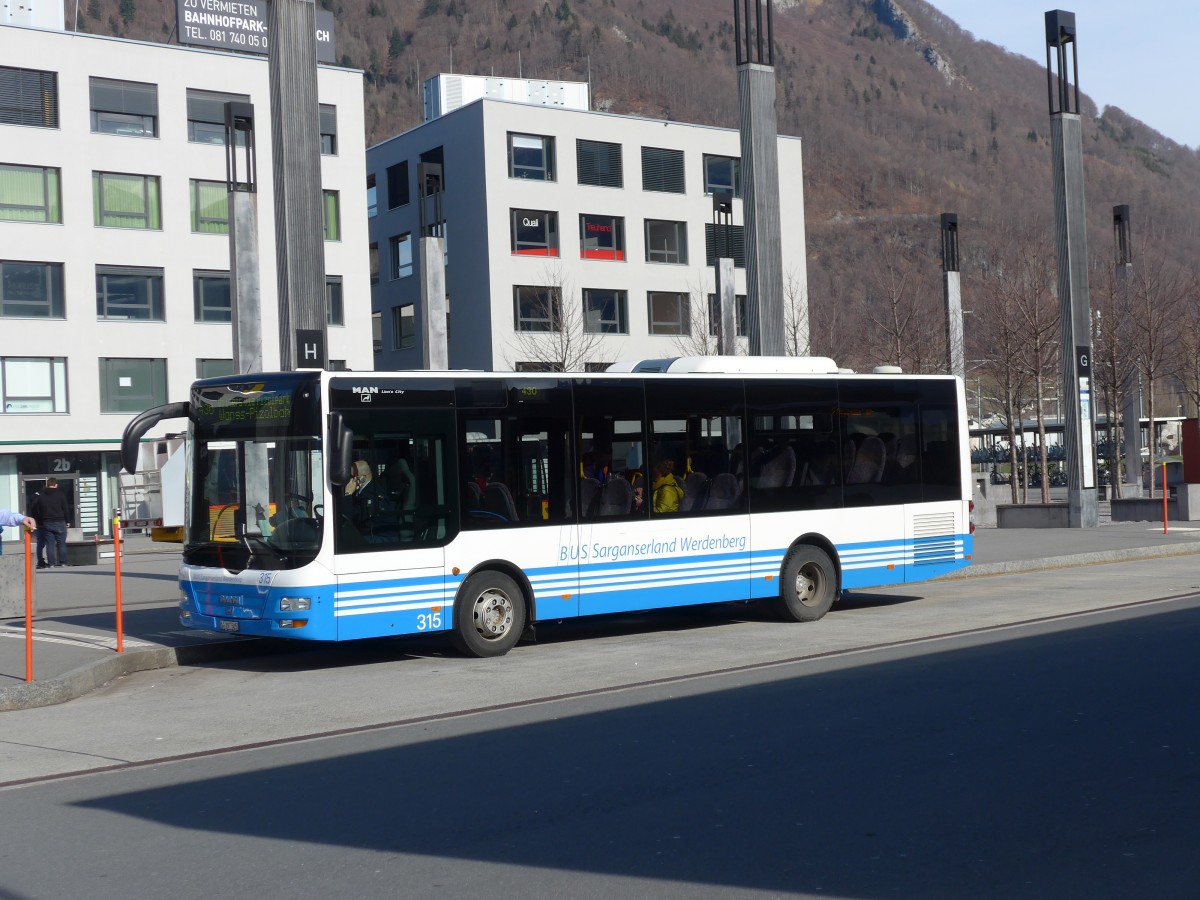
(1045, 760)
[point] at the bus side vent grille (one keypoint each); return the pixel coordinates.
(934, 540)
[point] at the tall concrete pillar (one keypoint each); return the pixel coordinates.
(241, 182)
(760, 177)
(1074, 302)
(1131, 397)
(431, 217)
(724, 293)
(299, 207)
(952, 290)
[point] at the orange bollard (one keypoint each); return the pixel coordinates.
(1164, 492)
(117, 563)
(28, 605)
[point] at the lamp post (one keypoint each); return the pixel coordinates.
(241, 183)
(724, 293)
(1074, 305)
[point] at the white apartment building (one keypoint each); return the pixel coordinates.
(114, 254)
(573, 238)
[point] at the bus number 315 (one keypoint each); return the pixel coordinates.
(429, 621)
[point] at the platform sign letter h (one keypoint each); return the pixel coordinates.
(310, 348)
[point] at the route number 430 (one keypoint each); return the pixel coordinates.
(429, 621)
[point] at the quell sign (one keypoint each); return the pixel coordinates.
(241, 25)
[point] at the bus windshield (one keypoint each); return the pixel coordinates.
(256, 495)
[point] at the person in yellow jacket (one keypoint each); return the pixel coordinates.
(667, 489)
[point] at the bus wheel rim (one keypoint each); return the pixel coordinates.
(808, 583)
(493, 614)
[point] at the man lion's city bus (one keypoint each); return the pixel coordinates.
(338, 505)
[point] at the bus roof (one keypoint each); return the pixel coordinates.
(749, 365)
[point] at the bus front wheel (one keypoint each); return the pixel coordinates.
(489, 614)
(808, 584)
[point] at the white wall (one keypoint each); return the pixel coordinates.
(81, 246)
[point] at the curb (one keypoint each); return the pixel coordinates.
(88, 677)
(1072, 561)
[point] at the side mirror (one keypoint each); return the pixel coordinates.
(341, 450)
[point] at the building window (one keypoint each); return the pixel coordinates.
(377, 332)
(333, 224)
(372, 198)
(334, 311)
(28, 97)
(401, 248)
(604, 311)
(397, 185)
(666, 242)
(722, 173)
(33, 384)
(31, 290)
(599, 163)
(602, 237)
(538, 367)
(530, 156)
(338, 365)
(328, 117)
(404, 330)
(30, 194)
(132, 385)
(725, 240)
(668, 313)
(596, 366)
(210, 207)
(714, 315)
(126, 201)
(662, 170)
(536, 308)
(373, 262)
(211, 296)
(129, 294)
(206, 116)
(214, 368)
(534, 232)
(127, 108)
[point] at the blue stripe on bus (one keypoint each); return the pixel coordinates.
(611, 586)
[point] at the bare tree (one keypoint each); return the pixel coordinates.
(1157, 295)
(701, 338)
(797, 341)
(1114, 367)
(553, 330)
(901, 310)
(998, 340)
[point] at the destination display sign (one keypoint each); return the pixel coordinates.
(241, 25)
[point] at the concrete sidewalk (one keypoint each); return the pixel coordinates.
(74, 648)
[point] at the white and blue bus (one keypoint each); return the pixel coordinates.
(339, 505)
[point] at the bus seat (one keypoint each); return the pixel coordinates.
(693, 491)
(777, 469)
(868, 462)
(617, 497)
(589, 491)
(498, 500)
(473, 496)
(724, 491)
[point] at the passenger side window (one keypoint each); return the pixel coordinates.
(611, 451)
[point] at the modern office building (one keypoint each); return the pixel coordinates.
(573, 238)
(114, 249)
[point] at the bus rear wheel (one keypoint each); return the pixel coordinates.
(808, 585)
(489, 614)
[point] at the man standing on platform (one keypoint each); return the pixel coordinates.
(56, 514)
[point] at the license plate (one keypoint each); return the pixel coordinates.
(230, 626)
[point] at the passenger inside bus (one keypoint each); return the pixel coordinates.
(667, 491)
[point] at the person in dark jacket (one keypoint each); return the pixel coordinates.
(35, 510)
(55, 518)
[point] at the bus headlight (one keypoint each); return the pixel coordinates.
(290, 604)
